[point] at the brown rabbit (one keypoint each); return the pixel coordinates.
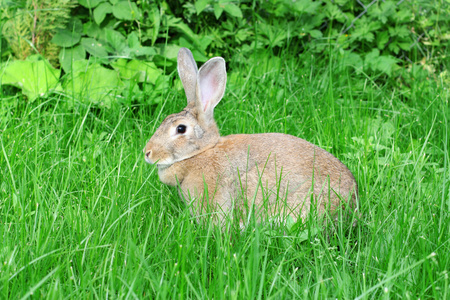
(280, 174)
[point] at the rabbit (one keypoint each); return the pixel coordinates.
(277, 174)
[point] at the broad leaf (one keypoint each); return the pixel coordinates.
(115, 39)
(350, 59)
(101, 11)
(133, 40)
(90, 3)
(94, 47)
(306, 6)
(142, 51)
(233, 10)
(92, 83)
(382, 63)
(170, 51)
(75, 25)
(200, 5)
(382, 39)
(91, 29)
(69, 55)
(386, 64)
(125, 10)
(146, 71)
(34, 76)
(155, 16)
(218, 10)
(315, 33)
(66, 38)
(178, 24)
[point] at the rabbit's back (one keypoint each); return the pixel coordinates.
(273, 169)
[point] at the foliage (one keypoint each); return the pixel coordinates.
(385, 38)
(31, 24)
(34, 76)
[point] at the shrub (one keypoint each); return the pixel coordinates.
(30, 25)
(385, 38)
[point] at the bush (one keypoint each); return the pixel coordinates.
(383, 38)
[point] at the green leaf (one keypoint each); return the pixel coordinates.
(145, 71)
(170, 51)
(155, 17)
(394, 47)
(372, 56)
(198, 55)
(66, 38)
(363, 31)
(400, 31)
(218, 10)
(386, 64)
(317, 34)
(34, 76)
(101, 11)
(333, 12)
(404, 15)
(382, 63)
(81, 66)
(382, 39)
(75, 25)
(167, 55)
(115, 39)
(383, 11)
(350, 59)
(125, 10)
(200, 5)
(90, 3)
(133, 40)
(91, 29)
(180, 25)
(92, 83)
(162, 83)
(275, 34)
(242, 35)
(307, 6)
(142, 51)
(233, 10)
(405, 46)
(94, 47)
(68, 55)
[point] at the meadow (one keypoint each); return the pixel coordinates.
(83, 216)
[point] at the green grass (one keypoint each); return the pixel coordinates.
(82, 215)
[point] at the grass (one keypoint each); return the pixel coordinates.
(83, 216)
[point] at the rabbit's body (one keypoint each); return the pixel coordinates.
(280, 174)
(236, 168)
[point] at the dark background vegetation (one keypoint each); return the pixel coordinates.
(133, 44)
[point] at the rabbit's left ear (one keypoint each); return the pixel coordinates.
(187, 69)
(211, 82)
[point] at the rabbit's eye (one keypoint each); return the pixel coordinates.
(181, 129)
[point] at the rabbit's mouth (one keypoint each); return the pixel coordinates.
(161, 163)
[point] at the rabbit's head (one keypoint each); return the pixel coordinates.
(193, 130)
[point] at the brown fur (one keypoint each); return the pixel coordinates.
(280, 174)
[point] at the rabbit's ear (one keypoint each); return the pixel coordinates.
(187, 69)
(211, 82)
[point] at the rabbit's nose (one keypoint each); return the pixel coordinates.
(148, 153)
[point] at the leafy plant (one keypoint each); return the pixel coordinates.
(105, 36)
(31, 24)
(34, 76)
(92, 82)
(385, 38)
